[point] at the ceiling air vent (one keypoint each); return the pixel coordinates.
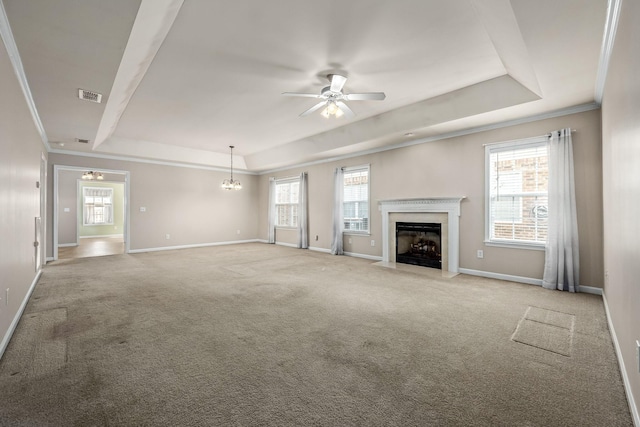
(88, 95)
(83, 141)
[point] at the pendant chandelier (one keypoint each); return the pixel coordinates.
(230, 184)
(93, 175)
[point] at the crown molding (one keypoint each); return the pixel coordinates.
(610, 28)
(149, 161)
(16, 62)
(549, 115)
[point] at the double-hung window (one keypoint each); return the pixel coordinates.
(517, 178)
(287, 196)
(97, 206)
(356, 199)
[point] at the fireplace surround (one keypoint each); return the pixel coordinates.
(442, 210)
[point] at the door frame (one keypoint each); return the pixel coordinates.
(127, 212)
(42, 241)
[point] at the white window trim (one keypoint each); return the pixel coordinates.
(366, 232)
(504, 146)
(84, 207)
(286, 180)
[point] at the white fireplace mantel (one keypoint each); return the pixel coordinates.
(448, 205)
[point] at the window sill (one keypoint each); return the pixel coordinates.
(356, 233)
(515, 245)
(285, 227)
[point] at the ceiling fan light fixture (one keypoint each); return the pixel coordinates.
(333, 98)
(332, 110)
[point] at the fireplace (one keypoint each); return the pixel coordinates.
(419, 243)
(441, 210)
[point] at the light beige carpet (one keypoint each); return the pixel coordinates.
(262, 335)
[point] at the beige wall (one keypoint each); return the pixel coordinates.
(621, 165)
(20, 153)
(186, 203)
(455, 167)
(67, 199)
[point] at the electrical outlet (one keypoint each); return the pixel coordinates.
(373, 242)
(167, 236)
(350, 240)
(316, 237)
(480, 253)
(143, 209)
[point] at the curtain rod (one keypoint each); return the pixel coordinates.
(550, 133)
(285, 178)
(533, 137)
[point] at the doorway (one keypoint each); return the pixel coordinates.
(90, 216)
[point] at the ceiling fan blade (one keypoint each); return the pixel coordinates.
(345, 109)
(337, 82)
(314, 108)
(372, 96)
(306, 95)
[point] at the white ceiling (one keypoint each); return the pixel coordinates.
(184, 79)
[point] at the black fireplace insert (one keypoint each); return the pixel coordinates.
(419, 243)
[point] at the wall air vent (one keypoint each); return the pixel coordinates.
(88, 95)
(83, 141)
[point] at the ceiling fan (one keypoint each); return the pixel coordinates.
(333, 98)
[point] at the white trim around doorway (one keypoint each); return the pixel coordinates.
(127, 210)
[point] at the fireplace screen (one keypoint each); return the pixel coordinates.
(419, 244)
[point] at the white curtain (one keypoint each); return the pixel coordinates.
(303, 214)
(271, 216)
(561, 264)
(338, 212)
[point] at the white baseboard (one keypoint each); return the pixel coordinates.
(198, 245)
(14, 323)
(623, 371)
(590, 290)
(521, 279)
(317, 249)
(365, 256)
(66, 245)
(500, 276)
(289, 245)
(101, 236)
(262, 241)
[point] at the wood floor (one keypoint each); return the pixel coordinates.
(92, 247)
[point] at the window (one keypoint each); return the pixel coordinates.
(517, 179)
(97, 206)
(287, 192)
(356, 199)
